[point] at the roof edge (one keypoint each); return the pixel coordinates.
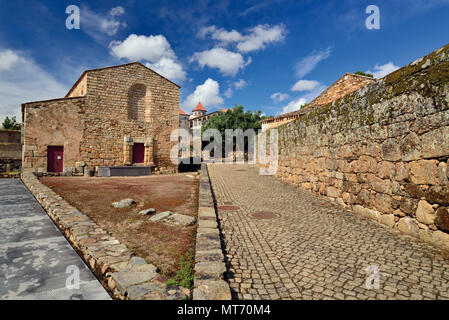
(51, 100)
(360, 76)
(116, 66)
(298, 112)
(23, 105)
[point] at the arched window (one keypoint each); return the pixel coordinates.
(139, 103)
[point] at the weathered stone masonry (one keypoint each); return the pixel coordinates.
(382, 151)
(106, 112)
(347, 84)
(209, 260)
(10, 152)
(123, 275)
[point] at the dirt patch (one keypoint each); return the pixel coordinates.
(160, 244)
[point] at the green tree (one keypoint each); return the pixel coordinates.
(369, 75)
(235, 118)
(11, 124)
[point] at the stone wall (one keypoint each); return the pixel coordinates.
(80, 88)
(103, 115)
(120, 271)
(209, 260)
(10, 153)
(132, 102)
(340, 88)
(57, 122)
(345, 85)
(381, 151)
(271, 124)
(10, 144)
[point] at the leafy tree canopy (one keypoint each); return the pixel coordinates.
(235, 118)
(11, 124)
(369, 75)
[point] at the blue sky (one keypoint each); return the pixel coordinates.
(266, 55)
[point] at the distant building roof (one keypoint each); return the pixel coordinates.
(182, 112)
(207, 115)
(199, 107)
(347, 84)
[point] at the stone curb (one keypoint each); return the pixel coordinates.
(210, 267)
(124, 276)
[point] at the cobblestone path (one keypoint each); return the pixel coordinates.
(299, 246)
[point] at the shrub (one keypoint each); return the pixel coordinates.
(184, 275)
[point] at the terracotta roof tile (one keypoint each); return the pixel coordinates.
(199, 107)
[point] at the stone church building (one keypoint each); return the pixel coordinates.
(115, 116)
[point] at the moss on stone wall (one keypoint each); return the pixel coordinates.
(366, 149)
(420, 77)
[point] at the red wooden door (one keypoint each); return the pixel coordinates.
(55, 159)
(139, 153)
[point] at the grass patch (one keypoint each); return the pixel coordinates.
(184, 275)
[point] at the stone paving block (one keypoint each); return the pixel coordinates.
(207, 224)
(167, 293)
(180, 220)
(124, 280)
(161, 216)
(207, 231)
(311, 251)
(209, 260)
(209, 255)
(147, 212)
(209, 270)
(212, 290)
(140, 290)
(125, 203)
(206, 212)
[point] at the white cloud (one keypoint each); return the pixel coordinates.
(207, 93)
(294, 105)
(150, 48)
(24, 81)
(381, 71)
(279, 97)
(260, 36)
(305, 85)
(228, 62)
(169, 68)
(229, 92)
(239, 85)
(8, 59)
(257, 37)
(98, 25)
(117, 11)
(306, 98)
(220, 34)
(309, 63)
(155, 50)
(206, 31)
(256, 7)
